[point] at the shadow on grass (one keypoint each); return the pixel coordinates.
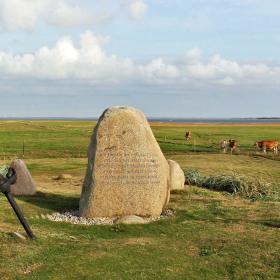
(50, 201)
(272, 224)
(269, 156)
(217, 216)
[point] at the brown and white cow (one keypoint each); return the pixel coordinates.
(223, 146)
(267, 145)
(232, 145)
(188, 135)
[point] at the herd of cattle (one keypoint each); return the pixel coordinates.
(231, 144)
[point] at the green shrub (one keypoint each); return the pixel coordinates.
(251, 187)
(193, 177)
(224, 183)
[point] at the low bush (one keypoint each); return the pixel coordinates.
(253, 188)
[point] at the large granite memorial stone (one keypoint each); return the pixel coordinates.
(127, 174)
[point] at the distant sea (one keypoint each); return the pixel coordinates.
(218, 120)
(171, 120)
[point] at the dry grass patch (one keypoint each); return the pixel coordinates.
(67, 187)
(140, 241)
(31, 268)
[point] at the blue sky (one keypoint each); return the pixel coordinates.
(197, 58)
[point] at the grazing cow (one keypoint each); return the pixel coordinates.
(223, 146)
(267, 145)
(188, 135)
(232, 144)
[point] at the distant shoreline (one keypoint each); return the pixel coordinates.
(174, 121)
(186, 124)
(228, 121)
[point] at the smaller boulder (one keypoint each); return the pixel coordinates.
(62, 177)
(177, 177)
(131, 220)
(24, 184)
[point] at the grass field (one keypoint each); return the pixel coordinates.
(212, 235)
(52, 139)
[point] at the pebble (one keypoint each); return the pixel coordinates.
(131, 220)
(73, 217)
(62, 177)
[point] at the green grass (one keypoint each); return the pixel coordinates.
(44, 139)
(52, 139)
(213, 235)
(207, 138)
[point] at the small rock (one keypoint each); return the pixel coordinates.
(62, 177)
(73, 217)
(168, 212)
(130, 220)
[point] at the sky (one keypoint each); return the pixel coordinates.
(168, 58)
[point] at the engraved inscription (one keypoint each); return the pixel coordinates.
(130, 169)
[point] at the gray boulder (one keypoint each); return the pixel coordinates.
(25, 184)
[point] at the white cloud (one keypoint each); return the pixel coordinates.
(88, 61)
(137, 9)
(214, 69)
(18, 13)
(159, 70)
(222, 71)
(193, 55)
(25, 14)
(68, 15)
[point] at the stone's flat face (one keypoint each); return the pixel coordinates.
(127, 173)
(177, 176)
(24, 184)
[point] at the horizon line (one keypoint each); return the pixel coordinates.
(148, 117)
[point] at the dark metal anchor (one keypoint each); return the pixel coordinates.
(5, 188)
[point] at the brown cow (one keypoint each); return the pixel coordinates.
(188, 135)
(232, 144)
(267, 145)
